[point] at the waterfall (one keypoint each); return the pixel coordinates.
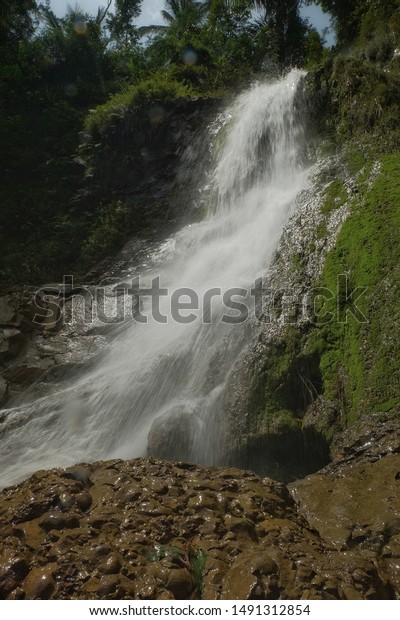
(158, 386)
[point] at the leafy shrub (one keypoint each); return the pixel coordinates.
(132, 104)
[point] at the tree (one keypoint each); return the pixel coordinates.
(77, 48)
(285, 27)
(182, 31)
(348, 15)
(16, 20)
(228, 35)
(183, 17)
(121, 25)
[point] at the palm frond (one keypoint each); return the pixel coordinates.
(145, 30)
(168, 17)
(102, 12)
(50, 19)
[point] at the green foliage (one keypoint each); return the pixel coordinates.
(228, 36)
(113, 225)
(197, 560)
(284, 31)
(123, 30)
(315, 52)
(368, 95)
(132, 104)
(350, 356)
(358, 99)
(361, 17)
(185, 555)
(48, 79)
(16, 21)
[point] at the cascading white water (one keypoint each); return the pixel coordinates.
(170, 376)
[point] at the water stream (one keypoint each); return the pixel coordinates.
(167, 378)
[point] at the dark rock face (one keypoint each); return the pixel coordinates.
(154, 167)
(150, 529)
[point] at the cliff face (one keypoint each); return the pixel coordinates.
(149, 529)
(325, 359)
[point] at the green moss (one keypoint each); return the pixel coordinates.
(281, 391)
(335, 197)
(388, 406)
(359, 359)
(322, 230)
(355, 161)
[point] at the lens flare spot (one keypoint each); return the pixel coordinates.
(70, 90)
(80, 27)
(190, 57)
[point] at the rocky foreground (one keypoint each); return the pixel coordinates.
(151, 529)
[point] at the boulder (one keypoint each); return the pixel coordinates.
(172, 435)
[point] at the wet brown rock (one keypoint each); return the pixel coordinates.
(145, 586)
(203, 500)
(180, 583)
(13, 568)
(39, 583)
(148, 529)
(83, 500)
(107, 585)
(59, 521)
(242, 528)
(355, 506)
(111, 565)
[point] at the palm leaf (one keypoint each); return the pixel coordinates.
(145, 30)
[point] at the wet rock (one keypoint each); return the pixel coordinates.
(11, 343)
(8, 309)
(59, 521)
(149, 529)
(13, 568)
(180, 583)
(111, 565)
(83, 500)
(3, 389)
(39, 583)
(203, 500)
(240, 583)
(145, 586)
(171, 437)
(241, 527)
(23, 375)
(107, 585)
